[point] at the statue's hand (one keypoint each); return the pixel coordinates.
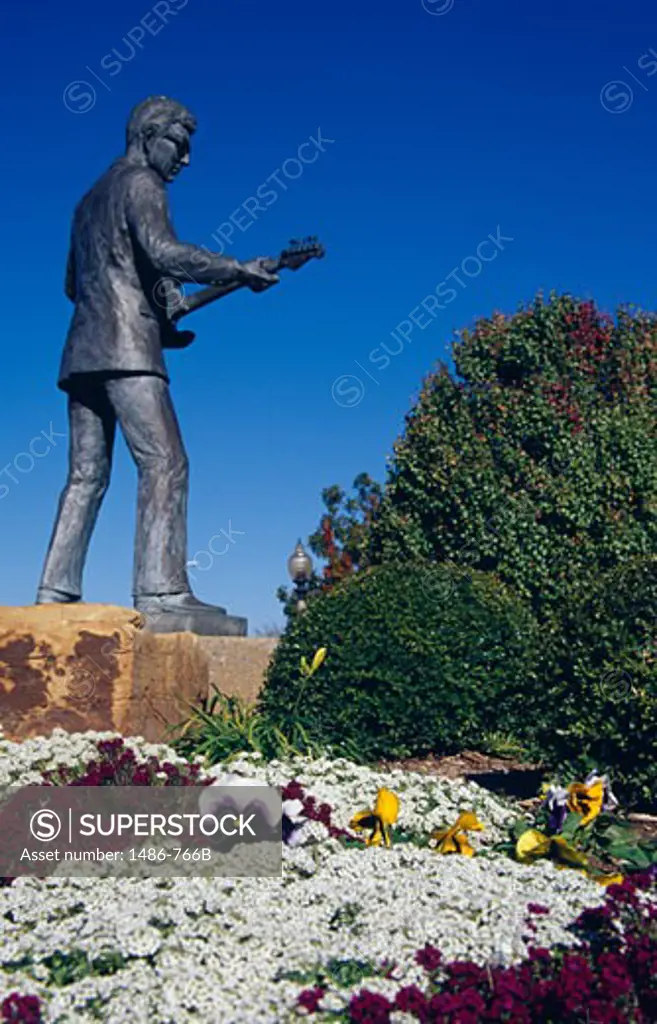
(178, 339)
(256, 276)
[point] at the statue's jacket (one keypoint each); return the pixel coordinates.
(122, 248)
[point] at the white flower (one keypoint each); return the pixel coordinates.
(295, 825)
(212, 948)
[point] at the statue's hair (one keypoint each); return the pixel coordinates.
(157, 112)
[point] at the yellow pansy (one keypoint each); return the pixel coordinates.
(564, 854)
(379, 820)
(615, 879)
(533, 845)
(454, 839)
(586, 799)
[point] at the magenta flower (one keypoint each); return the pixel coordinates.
(310, 999)
(24, 1009)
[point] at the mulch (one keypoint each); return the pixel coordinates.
(458, 766)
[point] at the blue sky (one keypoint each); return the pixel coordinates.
(530, 122)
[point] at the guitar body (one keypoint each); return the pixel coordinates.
(179, 305)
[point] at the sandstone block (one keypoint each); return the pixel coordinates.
(92, 666)
(237, 666)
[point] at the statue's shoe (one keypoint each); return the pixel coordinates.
(176, 604)
(181, 613)
(47, 596)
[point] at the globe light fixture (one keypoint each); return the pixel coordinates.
(300, 567)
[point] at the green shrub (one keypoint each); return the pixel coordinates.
(603, 694)
(420, 660)
(540, 463)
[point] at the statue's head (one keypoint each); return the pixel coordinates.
(159, 130)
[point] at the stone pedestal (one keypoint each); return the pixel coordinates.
(91, 666)
(237, 667)
(169, 673)
(97, 666)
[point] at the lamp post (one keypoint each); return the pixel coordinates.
(300, 567)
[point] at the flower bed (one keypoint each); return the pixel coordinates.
(220, 949)
(609, 977)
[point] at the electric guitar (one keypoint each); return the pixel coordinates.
(178, 305)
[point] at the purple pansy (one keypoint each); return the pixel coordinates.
(556, 803)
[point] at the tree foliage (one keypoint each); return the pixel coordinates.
(341, 538)
(540, 462)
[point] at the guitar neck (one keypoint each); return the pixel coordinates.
(205, 296)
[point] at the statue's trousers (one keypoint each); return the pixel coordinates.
(141, 404)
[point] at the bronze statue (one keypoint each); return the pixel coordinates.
(123, 252)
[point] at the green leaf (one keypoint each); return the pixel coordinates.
(348, 973)
(617, 833)
(519, 827)
(636, 855)
(571, 825)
